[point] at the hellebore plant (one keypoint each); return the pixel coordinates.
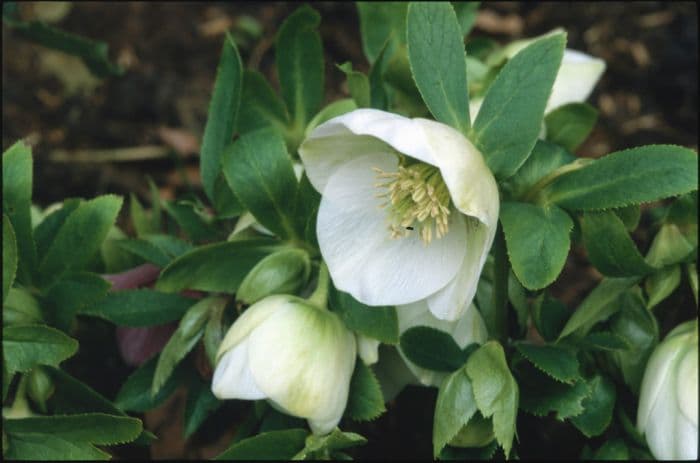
(409, 201)
(668, 401)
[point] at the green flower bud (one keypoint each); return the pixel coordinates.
(282, 272)
(668, 401)
(21, 308)
(40, 387)
(478, 432)
(294, 354)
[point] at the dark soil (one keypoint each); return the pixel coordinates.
(648, 94)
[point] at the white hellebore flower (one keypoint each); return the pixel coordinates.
(408, 209)
(297, 356)
(668, 401)
(577, 76)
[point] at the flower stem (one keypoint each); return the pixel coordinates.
(319, 297)
(496, 319)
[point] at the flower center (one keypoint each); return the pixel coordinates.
(417, 199)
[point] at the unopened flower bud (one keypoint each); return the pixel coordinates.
(282, 272)
(40, 387)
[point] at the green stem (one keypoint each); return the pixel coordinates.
(319, 298)
(496, 320)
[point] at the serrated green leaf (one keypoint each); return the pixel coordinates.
(214, 267)
(365, 401)
(214, 331)
(669, 247)
(437, 59)
(382, 26)
(549, 316)
(191, 221)
(510, 118)
(16, 203)
(538, 241)
(319, 447)
(40, 446)
(183, 340)
(25, 346)
(614, 449)
(638, 327)
(259, 171)
(544, 159)
(495, 390)
(299, 59)
(454, 408)
(597, 306)
(94, 428)
(46, 231)
(631, 176)
(170, 245)
(21, 307)
(139, 218)
(610, 247)
(557, 362)
(598, 407)
(466, 15)
(139, 307)
(135, 393)
(540, 395)
(9, 256)
(71, 293)
(629, 215)
(273, 445)
(80, 237)
(486, 452)
(200, 404)
(432, 349)
(661, 284)
(570, 124)
(604, 340)
(145, 250)
(222, 115)
(374, 322)
(115, 259)
(358, 84)
(263, 108)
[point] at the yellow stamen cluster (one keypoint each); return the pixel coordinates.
(417, 198)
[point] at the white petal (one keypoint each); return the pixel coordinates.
(577, 76)
(687, 386)
(357, 133)
(302, 358)
(472, 186)
(468, 329)
(392, 372)
(250, 319)
(232, 378)
(362, 258)
(450, 302)
(367, 349)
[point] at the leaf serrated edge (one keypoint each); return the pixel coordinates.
(569, 382)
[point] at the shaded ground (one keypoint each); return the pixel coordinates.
(648, 94)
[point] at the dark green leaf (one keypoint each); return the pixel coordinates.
(21, 307)
(374, 322)
(432, 349)
(358, 84)
(597, 306)
(538, 241)
(382, 24)
(274, 445)
(632, 176)
(80, 237)
(557, 362)
(145, 250)
(170, 245)
(629, 215)
(661, 284)
(139, 218)
(9, 256)
(614, 449)
(541, 395)
(365, 402)
(16, 203)
(263, 108)
(454, 408)
(259, 171)
(41, 446)
(25, 346)
(466, 15)
(200, 403)
(604, 340)
(545, 158)
(71, 293)
(495, 390)
(598, 407)
(135, 393)
(570, 124)
(214, 267)
(510, 118)
(191, 221)
(183, 340)
(437, 59)
(549, 316)
(610, 247)
(93, 53)
(94, 428)
(321, 447)
(299, 58)
(46, 231)
(223, 112)
(139, 307)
